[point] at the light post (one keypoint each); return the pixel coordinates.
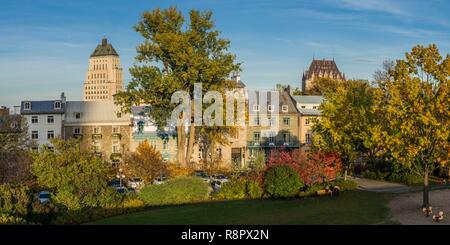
(120, 176)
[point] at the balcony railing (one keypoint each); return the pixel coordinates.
(116, 136)
(262, 143)
(97, 136)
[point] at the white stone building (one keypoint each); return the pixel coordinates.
(45, 119)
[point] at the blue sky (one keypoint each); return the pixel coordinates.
(45, 44)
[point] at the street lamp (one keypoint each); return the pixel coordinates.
(120, 176)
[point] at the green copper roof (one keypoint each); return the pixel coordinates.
(104, 49)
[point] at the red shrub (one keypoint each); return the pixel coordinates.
(311, 166)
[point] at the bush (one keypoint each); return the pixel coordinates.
(8, 219)
(234, 189)
(346, 185)
(369, 174)
(282, 181)
(14, 200)
(175, 191)
(406, 178)
(254, 189)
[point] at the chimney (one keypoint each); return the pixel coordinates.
(236, 77)
(63, 98)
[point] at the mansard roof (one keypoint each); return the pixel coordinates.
(320, 68)
(104, 49)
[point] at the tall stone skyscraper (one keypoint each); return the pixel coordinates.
(320, 69)
(104, 77)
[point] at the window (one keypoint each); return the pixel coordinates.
(314, 107)
(307, 121)
(50, 134)
(256, 121)
(34, 135)
(34, 119)
(115, 130)
(76, 131)
(119, 114)
(303, 107)
(284, 108)
(286, 121)
(27, 106)
(153, 143)
(97, 146)
(272, 121)
(255, 107)
(77, 115)
(50, 119)
(286, 137)
(97, 130)
(270, 108)
(271, 138)
(257, 136)
(57, 105)
(308, 138)
(165, 145)
(116, 147)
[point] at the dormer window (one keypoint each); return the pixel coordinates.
(77, 115)
(57, 105)
(284, 108)
(314, 107)
(27, 106)
(255, 107)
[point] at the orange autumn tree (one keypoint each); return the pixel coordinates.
(146, 163)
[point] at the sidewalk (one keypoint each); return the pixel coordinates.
(381, 186)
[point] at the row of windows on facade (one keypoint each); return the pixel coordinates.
(96, 130)
(56, 105)
(303, 107)
(97, 145)
(271, 108)
(50, 119)
(97, 75)
(272, 121)
(94, 87)
(96, 92)
(96, 97)
(285, 136)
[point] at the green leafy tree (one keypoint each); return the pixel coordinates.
(413, 104)
(77, 177)
(174, 56)
(322, 85)
(348, 122)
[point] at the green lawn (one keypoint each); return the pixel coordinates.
(352, 207)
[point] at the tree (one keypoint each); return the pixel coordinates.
(77, 177)
(14, 146)
(347, 124)
(173, 57)
(413, 106)
(146, 163)
(297, 91)
(322, 85)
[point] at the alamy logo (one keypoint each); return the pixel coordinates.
(211, 109)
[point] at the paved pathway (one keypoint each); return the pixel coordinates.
(381, 186)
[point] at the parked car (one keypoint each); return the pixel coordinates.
(216, 185)
(122, 190)
(135, 183)
(115, 183)
(44, 197)
(203, 175)
(160, 180)
(220, 178)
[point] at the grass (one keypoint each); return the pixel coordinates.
(351, 207)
